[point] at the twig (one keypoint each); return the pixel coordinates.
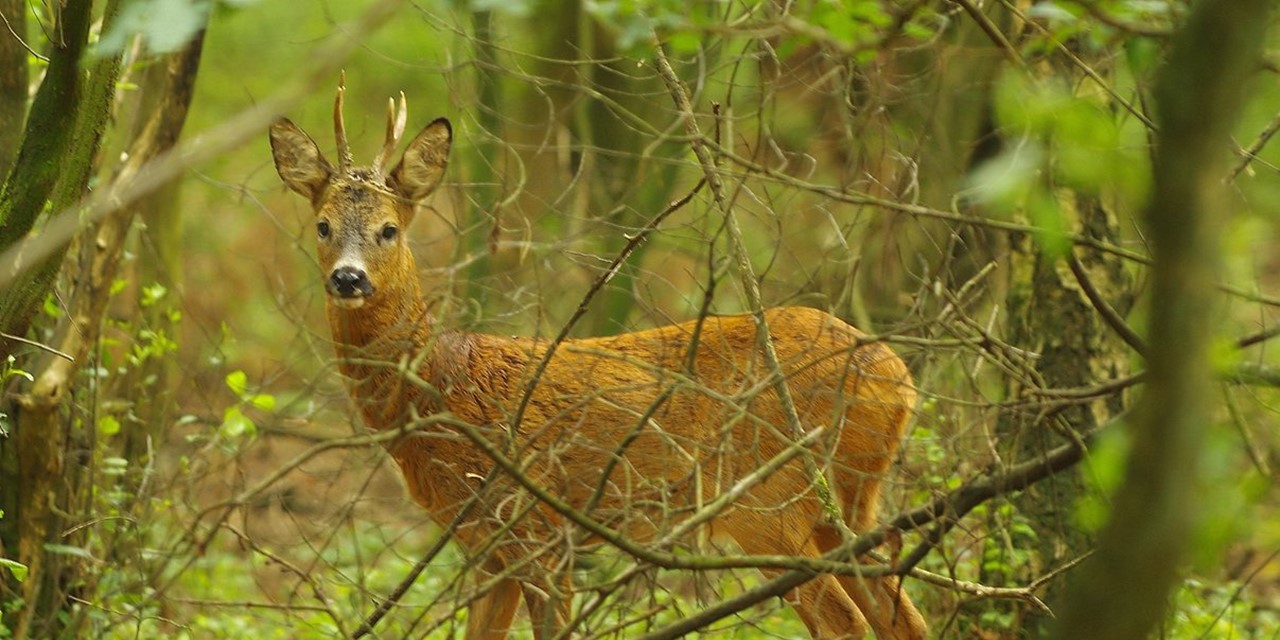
(302, 575)
(38, 345)
(750, 284)
(950, 507)
(447, 534)
(1108, 313)
(21, 41)
(1250, 445)
(633, 243)
(1235, 595)
(1248, 154)
(983, 591)
(246, 604)
(993, 32)
(1261, 336)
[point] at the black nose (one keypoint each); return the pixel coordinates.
(349, 282)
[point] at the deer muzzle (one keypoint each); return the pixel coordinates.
(349, 286)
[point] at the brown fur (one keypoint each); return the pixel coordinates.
(719, 422)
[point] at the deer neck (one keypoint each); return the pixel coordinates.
(374, 342)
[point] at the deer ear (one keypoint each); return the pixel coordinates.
(298, 159)
(424, 162)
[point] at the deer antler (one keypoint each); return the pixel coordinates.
(340, 129)
(396, 119)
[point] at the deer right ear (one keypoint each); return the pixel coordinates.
(424, 162)
(298, 159)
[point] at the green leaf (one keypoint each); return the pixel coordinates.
(153, 294)
(235, 424)
(264, 401)
(166, 25)
(68, 550)
(684, 42)
(108, 426)
(1006, 181)
(51, 308)
(18, 569)
(1052, 235)
(238, 382)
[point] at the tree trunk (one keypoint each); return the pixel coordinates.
(14, 81)
(26, 189)
(1121, 592)
(48, 144)
(1051, 316)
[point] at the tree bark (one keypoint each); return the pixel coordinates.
(14, 80)
(53, 168)
(27, 187)
(1122, 590)
(1051, 315)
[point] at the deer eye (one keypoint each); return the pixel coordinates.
(389, 232)
(322, 228)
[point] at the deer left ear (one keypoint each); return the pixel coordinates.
(298, 159)
(422, 167)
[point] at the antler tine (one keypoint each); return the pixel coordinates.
(340, 128)
(396, 119)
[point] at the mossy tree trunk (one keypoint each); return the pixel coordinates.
(1122, 591)
(52, 172)
(50, 147)
(46, 141)
(1051, 316)
(14, 81)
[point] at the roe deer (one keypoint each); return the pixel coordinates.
(639, 430)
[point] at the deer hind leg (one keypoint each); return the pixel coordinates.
(549, 608)
(489, 616)
(822, 603)
(881, 600)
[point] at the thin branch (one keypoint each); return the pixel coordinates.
(436, 547)
(747, 277)
(993, 32)
(1108, 313)
(950, 507)
(633, 243)
(1261, 336)
(1248, 154)
(38, 345)
(32, 52)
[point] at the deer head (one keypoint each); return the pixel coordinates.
(360, 211)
